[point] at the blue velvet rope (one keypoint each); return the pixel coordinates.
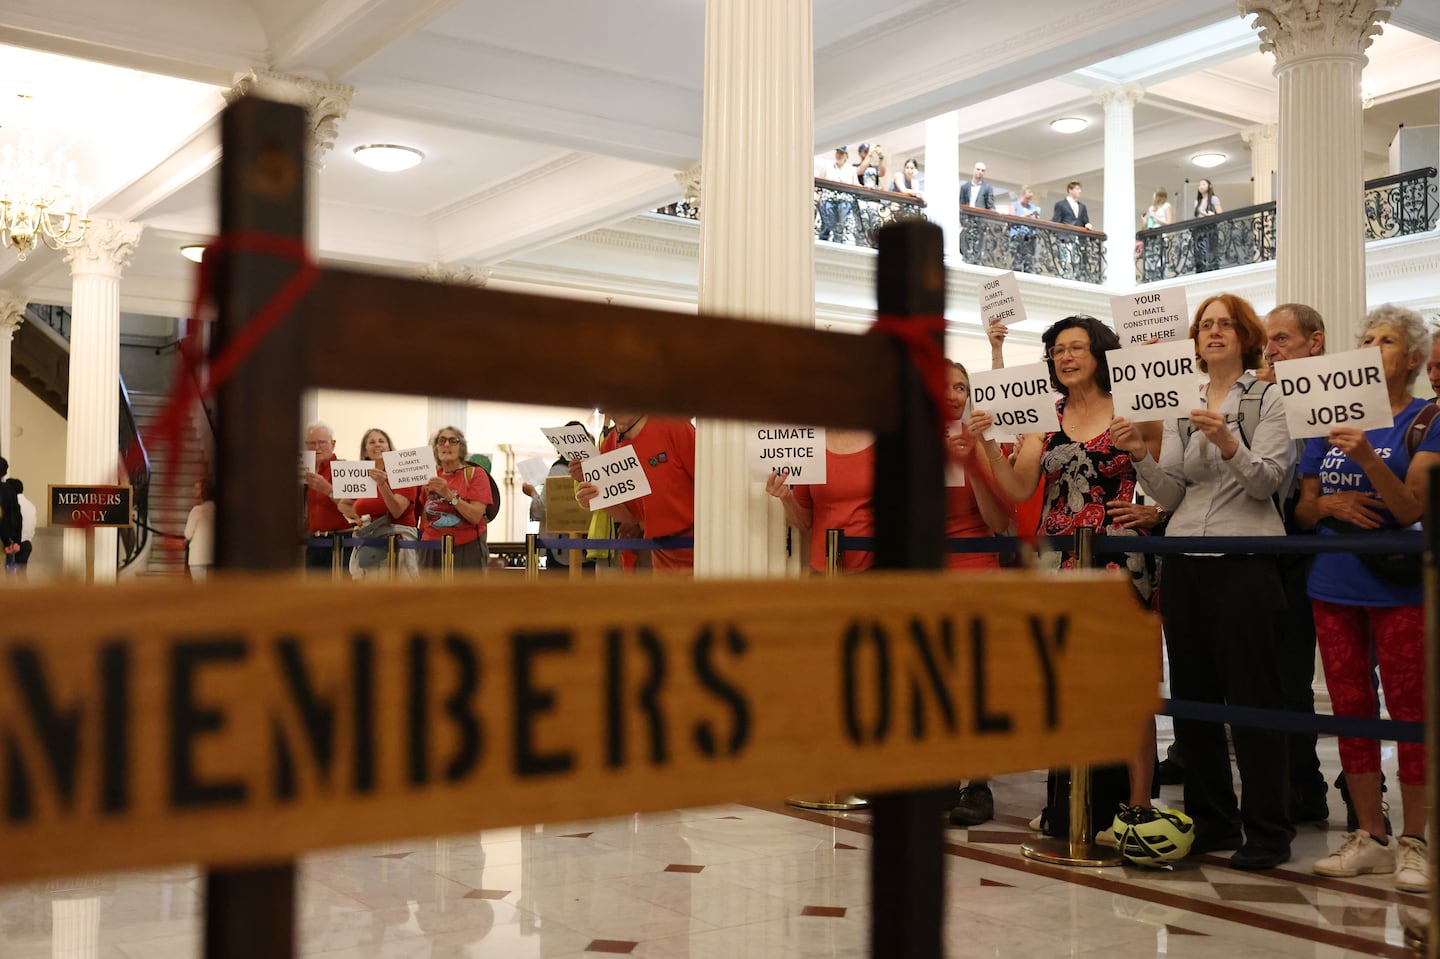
(1279, 719)
(637, 544)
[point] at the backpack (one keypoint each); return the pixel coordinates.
(1415, 435)
(1248, 420)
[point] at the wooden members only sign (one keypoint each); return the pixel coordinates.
(183, 724)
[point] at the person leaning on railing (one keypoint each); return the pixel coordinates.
(1222, 613)
(1370, 607)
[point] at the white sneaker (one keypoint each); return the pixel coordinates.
(1106, 837)
(1038, 823)
(1413, 874)
(1359, 854)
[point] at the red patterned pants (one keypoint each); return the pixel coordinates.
(1348, 637)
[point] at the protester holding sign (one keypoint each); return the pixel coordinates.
(845, 501)
(970, 509)
(1083, 470)
(1369, 607)
(390, 512)
(556, 560)
(322, 516)
(454, 502)
(1223, 614)
(666, 450)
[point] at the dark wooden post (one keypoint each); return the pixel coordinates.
(250, 912)
(907, 877)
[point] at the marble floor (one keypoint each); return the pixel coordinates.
(734, 881)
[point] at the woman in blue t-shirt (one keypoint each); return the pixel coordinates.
(1354, 481)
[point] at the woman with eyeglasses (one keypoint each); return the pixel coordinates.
(1083, 472)
(390, 512)
(454, 502)
(1219, 476)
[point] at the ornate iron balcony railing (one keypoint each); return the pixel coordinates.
(1028, 245)
(852, 215)
(1396, 205)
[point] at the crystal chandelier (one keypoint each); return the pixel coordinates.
(37, 200)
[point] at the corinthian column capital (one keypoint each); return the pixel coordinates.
(456, 275)
(12, 313)
(106, 249)
(1266, 133)
(689, 181)
(326, 103)
(1294, 29)
(1126, 91)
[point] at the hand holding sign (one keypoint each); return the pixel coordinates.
(571, 442)
(616, 476)
(351, 479)
(1153, 382)
(1018, 399)
(1338, 390)
(412, 467)
(1000, 303)
(797, 452)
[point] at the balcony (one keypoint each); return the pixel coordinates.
(1398, 205)
(1028, 245)
(849, 215)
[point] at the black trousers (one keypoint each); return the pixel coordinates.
(1223, 631)
(1297, 674)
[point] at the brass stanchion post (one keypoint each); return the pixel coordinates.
(447, 558)
(392, 554)
(337, 556)
(1077, 850)
(830, 801)
(532, 558)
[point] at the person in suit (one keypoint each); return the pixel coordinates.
(1072, 212)
(976, 192)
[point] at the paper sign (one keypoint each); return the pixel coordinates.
(533, 471)
(571, 442)
(1154, 382)
(406, 468)
(307, 461)
(563, 512)
(800, 450)
(1019, 398)
(1323, 393)
(619, 476)
(1000, 301)
(1159, 314)
(351, 479)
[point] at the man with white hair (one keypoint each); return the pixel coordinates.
(322, 516)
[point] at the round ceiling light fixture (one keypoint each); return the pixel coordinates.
(1208, 159)
(388, 157)
(1069, 124)
(194, 252)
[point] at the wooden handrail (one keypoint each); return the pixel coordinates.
(1029, 221)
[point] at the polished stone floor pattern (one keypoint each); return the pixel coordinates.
(733, 881)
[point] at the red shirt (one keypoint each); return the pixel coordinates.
(437, 510)
(963, 519)
(666, 448)
(321, 513)
(376, 507)
(846, 500)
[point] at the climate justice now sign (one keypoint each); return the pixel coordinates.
(184, 724)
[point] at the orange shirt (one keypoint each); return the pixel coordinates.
(963, 519)
(666, 448)
(321, 513)
(846, 500)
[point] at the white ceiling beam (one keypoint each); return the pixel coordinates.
(339, 35)
(554, 202)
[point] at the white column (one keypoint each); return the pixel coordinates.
(1264, 159)
(942, 178)
(92, 439)
(1320, 188)
(757, 243)
(1120, 213)
(75, 928)
(12, 314)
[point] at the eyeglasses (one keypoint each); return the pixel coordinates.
(1060, 352)
(447, 441)
(1224, 323)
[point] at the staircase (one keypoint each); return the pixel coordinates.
(171, 496)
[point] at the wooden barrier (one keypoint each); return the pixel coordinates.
(245, 721)
(180, 724)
